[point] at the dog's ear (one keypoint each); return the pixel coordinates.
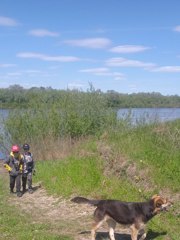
(155, 196)
(158, 201)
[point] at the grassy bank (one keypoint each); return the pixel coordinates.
(79, 176)
(82, 176)
(155, 147)
(95, 172)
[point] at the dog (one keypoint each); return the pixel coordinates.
(133, 214)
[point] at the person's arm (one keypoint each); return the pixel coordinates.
(33, 164)
(6, 165)
(21, 164)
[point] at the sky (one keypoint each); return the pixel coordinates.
(128, 46)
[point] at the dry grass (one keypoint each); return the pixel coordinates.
(56, 149)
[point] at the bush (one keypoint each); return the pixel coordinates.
(73, 114)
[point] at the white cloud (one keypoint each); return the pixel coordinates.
(171, 69)
(8, 22)
(14, 74)
(103, 72)
(90, 42)
(177, 28)
(43, 33)
(118, 75)
(95, 70)
(129, 49)
(7, 65)
(32, 71)
(44, 57)
(123, 62)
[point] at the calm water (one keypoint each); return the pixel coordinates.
(3, 113)
(148, 115)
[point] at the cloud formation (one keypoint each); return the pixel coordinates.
(103, 72)
(44, 57)
(7, 65)
(123, 62)
(169, 69)
(129, 49)
(95, 70)
(89, 42)
(8, 22)
(177, 28)
(43, 33)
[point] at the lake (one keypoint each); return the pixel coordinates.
(148, 115)
(3, 113)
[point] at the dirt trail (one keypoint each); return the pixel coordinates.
(66, 217)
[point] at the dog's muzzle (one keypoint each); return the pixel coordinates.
(166, 206)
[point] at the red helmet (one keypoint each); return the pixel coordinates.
(15, 148)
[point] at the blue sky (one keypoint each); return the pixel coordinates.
(128, 46)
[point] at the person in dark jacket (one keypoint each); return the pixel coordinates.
(14, 165)
(28, 169)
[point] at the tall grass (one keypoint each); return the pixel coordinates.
(75, 114)
(82, 175)
(154, 146)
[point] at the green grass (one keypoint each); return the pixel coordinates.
(157, 147)
(15, 226)
(62, 177)
(154, 147)
(82, 176)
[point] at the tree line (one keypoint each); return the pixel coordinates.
(16, 96)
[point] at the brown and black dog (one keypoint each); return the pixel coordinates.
(134, 214)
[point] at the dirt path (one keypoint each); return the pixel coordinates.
(66, 217)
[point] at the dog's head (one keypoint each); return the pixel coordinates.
(160, 204)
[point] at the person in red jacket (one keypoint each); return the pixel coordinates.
(28, 168)
(14, 165)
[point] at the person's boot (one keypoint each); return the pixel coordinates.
(24, 190)
(30, 190)
(11, 191)
(19, 194)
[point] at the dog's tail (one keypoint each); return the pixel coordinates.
(85, 200)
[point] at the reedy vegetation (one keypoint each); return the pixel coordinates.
(71, 114)
(85, 117)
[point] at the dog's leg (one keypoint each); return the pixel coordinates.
(134, 232)
(143, 236)
(94, 229)
(112, 224)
